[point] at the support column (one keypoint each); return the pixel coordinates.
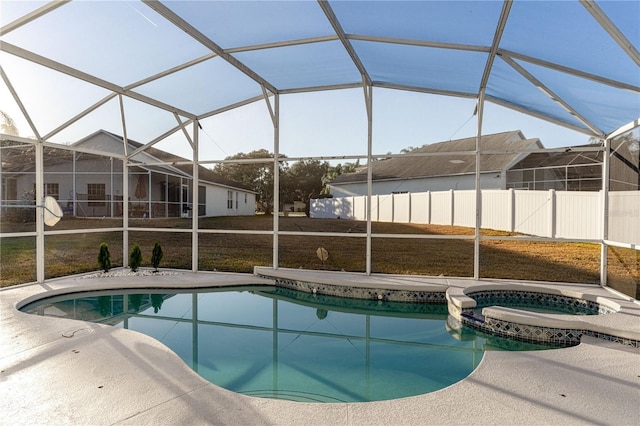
(39, 201)
(125, 213)
(476, 241)
(125, 187)
(149, 203)
(275, 118)
(606, 164)
(368, 97)
(195, 354)
(74, 197)
(112, 201)
(194, 201)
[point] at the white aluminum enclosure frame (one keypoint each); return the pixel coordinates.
(271, 95)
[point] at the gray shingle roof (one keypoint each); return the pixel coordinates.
(204, 174)
(443, 164)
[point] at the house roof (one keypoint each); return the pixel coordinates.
(154, 155)
(447, 159)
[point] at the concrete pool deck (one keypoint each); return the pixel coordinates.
(61, 371)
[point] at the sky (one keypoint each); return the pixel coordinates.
(328, 123)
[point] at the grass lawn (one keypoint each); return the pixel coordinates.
(543, 261)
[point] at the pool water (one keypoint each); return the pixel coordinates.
(278, 343)
(544, 305)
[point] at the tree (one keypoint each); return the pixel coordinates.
(8, 126)
(256, 175)
(408, 149)
(156, 256)
(337, 170)
(595, 140)
(135, 258)
(104, 257)
(303, 181)
(156, 302)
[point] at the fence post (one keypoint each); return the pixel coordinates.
(393, 207)
(453, 206)
(353, 208)
(552, 213)
(512, 210)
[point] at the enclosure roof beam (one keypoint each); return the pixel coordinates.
(171, 71)
(333, 20)
(170, 16)
(612, 29)
(159, 138)
(43, 10)
(533, 113)
(16, 98)
(551, 94)
(230, 107)
(624, 129)
(419, 43)
(276, 44)
(81, 115)
(502, 22)
(56, 66)
(567, 70)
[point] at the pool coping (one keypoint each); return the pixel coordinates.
(418, 289)
(56, 371)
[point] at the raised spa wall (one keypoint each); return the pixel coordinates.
(525, 326)
(547, 328)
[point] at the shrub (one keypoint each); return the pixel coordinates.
(156, 256)
(104, 257)
(135, 257)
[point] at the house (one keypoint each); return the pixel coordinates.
(504, 163)
(91, 185)
(444, 165)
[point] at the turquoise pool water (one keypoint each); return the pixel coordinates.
(278, 343)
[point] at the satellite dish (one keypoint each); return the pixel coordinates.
(52, 211)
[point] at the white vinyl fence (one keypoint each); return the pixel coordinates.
(554, 214)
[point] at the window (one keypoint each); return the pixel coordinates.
(202, 201)
(236, 200)
(96, 194)
(229, 199)
(52, 189)
(245, 198)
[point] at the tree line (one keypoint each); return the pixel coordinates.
(301, 181)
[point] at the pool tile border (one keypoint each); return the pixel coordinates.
(485, 298)
(536, 334)
(412, 296)
(553, 336)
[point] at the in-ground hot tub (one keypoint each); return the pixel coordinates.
(530, 314)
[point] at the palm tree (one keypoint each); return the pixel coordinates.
(8, 126)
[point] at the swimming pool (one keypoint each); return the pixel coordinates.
(280, 343)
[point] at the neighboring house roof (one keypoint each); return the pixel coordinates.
(154, 155)
(560, 159)
(441, 164)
